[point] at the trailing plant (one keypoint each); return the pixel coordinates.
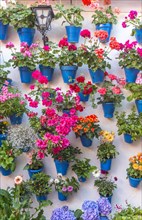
(136, 90)
(135, 166)
(5, 13)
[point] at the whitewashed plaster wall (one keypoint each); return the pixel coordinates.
(87, 190)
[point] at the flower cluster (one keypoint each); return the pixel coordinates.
(63, 214)
(132, 19)
(104, 206)
(90, 211)
(135, 166)
(107, 136)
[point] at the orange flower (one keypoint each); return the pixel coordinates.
(135, 166)
(140, 167)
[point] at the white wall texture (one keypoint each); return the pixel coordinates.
(87, 190)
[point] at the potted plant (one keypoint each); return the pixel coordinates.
(106, 150)
(134, 172)
(104, 18)
(3, 131)
(23, 20)
(110, 95)
(134, 19)
(130, 59)
(8, 156)
(69, 58)
(105, 187)
(34, 164)
(87, 128)
(22, 137)
(95, 55)
(25, 60)
(3, 74)
(83, 89)
(104, 207)
(129, 125)
(40, 185)
(74, 18)
(64, 211)
(4, 20)
(12, 104)
(65, 186)
(83, 168)
(136, 94)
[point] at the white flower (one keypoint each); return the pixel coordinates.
(3, 4)
(51, 181)
(96, 173)
(59, 175)
(18, 180)
(56, 181)
(12, 1)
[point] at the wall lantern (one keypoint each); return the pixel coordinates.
(44, 15)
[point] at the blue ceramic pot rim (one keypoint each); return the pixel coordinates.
(32, 171)
(69, 67)
(73, 26)
(138, 100)
(95, 70)
(26, 29)
(109, 103)
(105, 24)
(4, 24)
(129, 68)
(137, 179)
(43, 66)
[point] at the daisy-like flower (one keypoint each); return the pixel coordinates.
(56, 181)
(96, 173)
(59, 175)
(18, 180)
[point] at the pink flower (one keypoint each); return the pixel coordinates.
(32, 114)
(46, 102)
(59, 99)
(121, 81)
(102, 91)
(116, 90)
(139, 51)
(22, 102)
(33, 46)
(45, 95)
(24, 44)
(36, 74)
(33, 104)
(65, 142)
(85, 33)
(63, 42)
(32, 87)
(41, 144)
(117, 10)
(72, 47)
(132, 14)
(27, 54)
(70, 188)
(40, 155)
(124, 25)
(64, 189)
(46, 48)
(42, 80)
(73, 111)
(112, 77)
(9, 45)
(50, 112)
(94, 5)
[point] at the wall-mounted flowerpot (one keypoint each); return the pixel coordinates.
(26, 149)
(25, 74)
(97, 76)
(32, 172)
(108, 108)
(128, 138)
(68, 73)
(138, 35)
(134, 182)
(86, 142)
(139, 105)
(3, 31)
(82, 179)
(47, 71)
(61, 166)
(62, 197)
(16, 120)
(26, 35)
(106, 165)
(41, 198)
(2, 138)
(73, 34)
(131, 74)
(83, 98)
(105, 27)
(108, 197)
(104, 218)
(5, 172)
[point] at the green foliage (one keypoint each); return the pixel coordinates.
(136, 90)
(3, 73)
(106, 151)
(104, 16)
(34, 163)
(78, 213)
(5, 15)
(82, 168)
(71, 15)
(130, 124)
(105, 186)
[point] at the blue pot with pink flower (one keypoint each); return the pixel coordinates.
(16, 119)
(61, 166)
(97, 76)
(131, 74)
(62, 197)
(83, 97)
(26, 35)
(25, 74)
(105, 27)
(47, 71)
(41, 198)
(3, 30)
(108, 109)
(138, 35)
(73, 33)
(86, 142)
(68, 73)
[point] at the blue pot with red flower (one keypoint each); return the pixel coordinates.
(16, 119)
(3, 30)
(86, 142)
(62, 197)
(68, 73)
(47, 71)
(25, 74)
(128, 138)
(73, 33)
(26, 35)
(2, 138)
(83, 97)
(32, 172)
(41, 198)
(108, 108)
(105, 27)
(139, 105)
(97, 76)
(131, 74)
(61, 166)
(5, 172)
(134, 182)
(106, 165)
(138, 35)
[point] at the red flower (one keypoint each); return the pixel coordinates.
(42, 80)
(32, 114)
(72, 47)
(99, 52)
(36, 74)
(79, 108)
(63, 42)
(86, 2)
(104, 172)
(33, 104)
(107, 2)
(112, 77)
(85, 33)
(80, 79)
(102, 35)
(102, 91)
(116, 90)
(56, 150)
(46, 48)
(114, 45)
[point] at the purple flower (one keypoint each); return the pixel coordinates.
(62, 214)
(104, 206)
(70, 188)
(64, 189)
(89, 204)
(91, 214)
(9, 45)
(24, 44)
(27, 54)
(124, 24)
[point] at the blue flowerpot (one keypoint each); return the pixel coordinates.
(131, 74)
(106, 165)
(61, 166)
(134, 182)
(66, 111)
(41, 198)
(26, 35)
(82, 179)
(108, 197)
(73, 34)
(5, 172)
(32, 172)
(61, 197)
(128, 138)
(108, 108)
(16, 120)
(104, 218)
(139, 105)
(86, 142)
(26, 149)
(97, 76)
(83, 98)
(25, 74)
(138, 35)
(3, 31)
(2, 138)
(68, 73)
(47, 71)
(105, 27)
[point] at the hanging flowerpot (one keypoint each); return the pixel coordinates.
(134, 182)
(32, 172)
(105, 27)
(138, 35)
(108, 108)
(97, 76)
(106, 165)
(3, 31)
(16, 120)
(86, 142)
(5, 172)
(103, 218)
(61, 166)
(82, 179)
(83, 98)
(47, 71)
(62, 197)
(41, 198)
(108, 197)
(131, 74)
(25, 74)
(2, 138)
(26, 35)
(68, 73)
(139, 105)
(73, 34)
(128, 138)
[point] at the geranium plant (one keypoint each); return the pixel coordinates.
(4, 73)
(135, 166)
(136, 91)
(34, 161)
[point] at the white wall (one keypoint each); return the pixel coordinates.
(119, 165)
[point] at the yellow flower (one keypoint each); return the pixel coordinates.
(135, 166)
(5, 122)
(140, 167)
